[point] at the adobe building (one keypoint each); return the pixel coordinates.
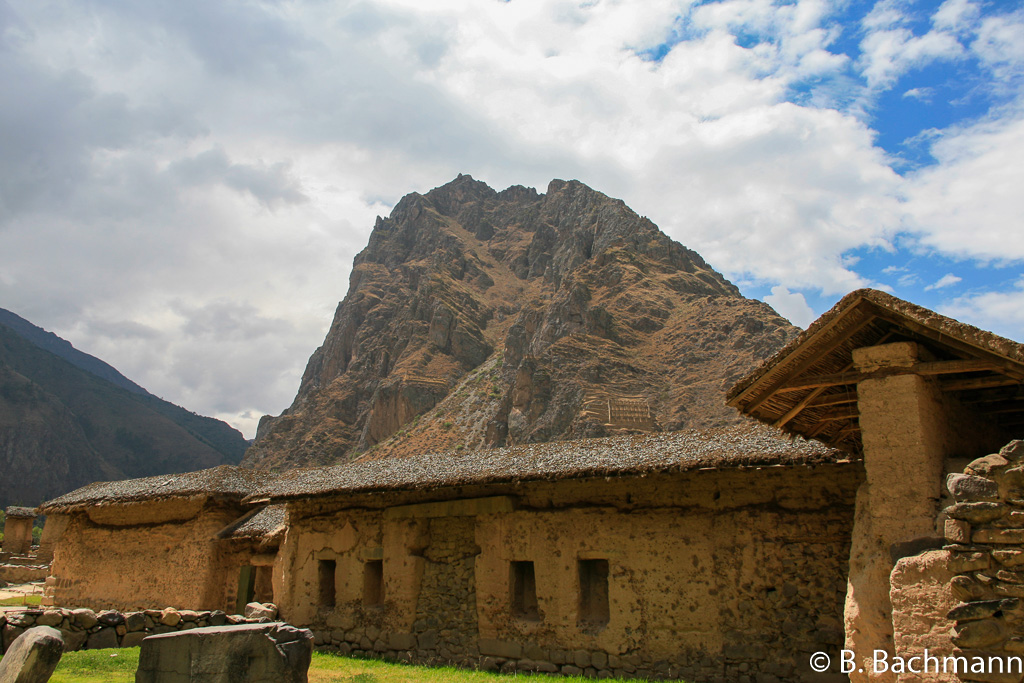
(18, 530)
(918, 396)
(176, 540)
(715, 555)
(706, 555)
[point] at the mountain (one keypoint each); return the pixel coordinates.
(48, 341)
(478, 318)
(61, 426)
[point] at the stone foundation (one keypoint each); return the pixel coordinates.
(85, 629)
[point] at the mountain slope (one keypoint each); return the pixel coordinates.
(482, 318)
(217, 433)
(48, 341)
(62, 427)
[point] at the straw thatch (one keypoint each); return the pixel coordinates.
(225, 481)
(809, 386)
(741, 446)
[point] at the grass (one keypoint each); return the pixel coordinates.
(118, 666)
(30, 599)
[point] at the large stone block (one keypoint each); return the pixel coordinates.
(249, 653)
(33, 656)
(256, 610)
(968, 487)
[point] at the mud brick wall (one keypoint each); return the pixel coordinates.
(985, 537)
(711, 576)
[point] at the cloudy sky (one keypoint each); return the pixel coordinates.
(184, 183)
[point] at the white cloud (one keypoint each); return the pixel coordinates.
(888, 54)
(1002, 312)
(923, 94)
(791, 305)
(956, 15)
(184, 185)
(946, 280)
(968, 205)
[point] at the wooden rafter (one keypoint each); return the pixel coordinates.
(765, 393)
(932, 368)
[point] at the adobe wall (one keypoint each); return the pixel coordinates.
(137, 555)
(17, 535)
(910, 432)
(712, 575)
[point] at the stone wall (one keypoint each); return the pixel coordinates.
(85, 629)
(23, 572)
(985, 536)
(711, 575)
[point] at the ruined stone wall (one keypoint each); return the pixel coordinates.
(985, 536)
(138, 555)
(85, 629)
(726, 575)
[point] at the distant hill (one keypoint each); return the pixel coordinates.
(48, 341)
(477, 318)
(68, 419)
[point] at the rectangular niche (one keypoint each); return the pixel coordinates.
(523, 591)
(373, 583)
(326, 573)
(593, 603)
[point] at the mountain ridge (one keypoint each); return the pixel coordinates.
(479, 318)
(62, 426)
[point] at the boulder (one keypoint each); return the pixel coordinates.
(102, 639)
(170, 617)
(84, 618)
(255, 610)
(33, 656)
(110, 618)
(249, 653)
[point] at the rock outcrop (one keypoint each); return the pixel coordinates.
(478, 318)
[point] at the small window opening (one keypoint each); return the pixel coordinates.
(327, 570)
(373, 583)
(593, 608)
(523, 588)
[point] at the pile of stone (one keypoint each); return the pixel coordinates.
(985, 537)
(85, 629)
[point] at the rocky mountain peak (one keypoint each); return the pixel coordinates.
(483, 318)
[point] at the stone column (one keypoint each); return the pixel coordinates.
(902, 421)
(18, 530)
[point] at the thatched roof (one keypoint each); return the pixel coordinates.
(257, 524)
(809, 386)
(742, 446)
(224, 481)
(20, 512)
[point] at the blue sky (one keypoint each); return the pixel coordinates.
(184, 184)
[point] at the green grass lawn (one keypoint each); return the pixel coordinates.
(118, 666)
(33, 599)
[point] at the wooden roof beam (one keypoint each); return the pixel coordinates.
(929, 369)
(978, 383)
